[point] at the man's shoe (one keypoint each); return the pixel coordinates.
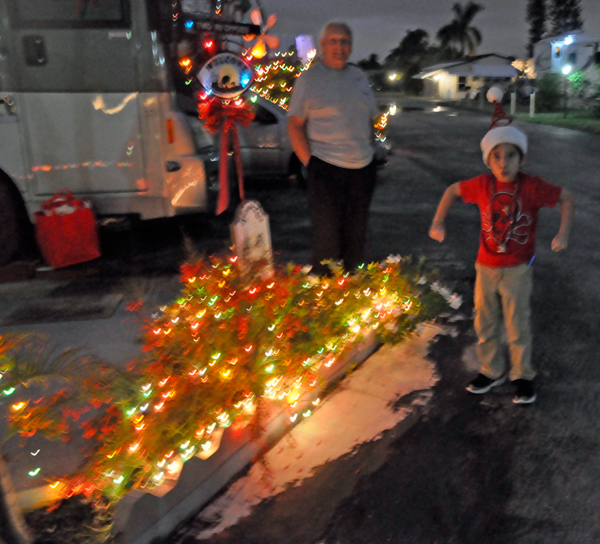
(525, 393)
(482, 384)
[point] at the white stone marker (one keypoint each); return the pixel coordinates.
(252, 236)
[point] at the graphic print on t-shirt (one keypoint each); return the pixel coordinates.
(505, 222)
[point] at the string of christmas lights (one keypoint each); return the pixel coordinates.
(229, 345)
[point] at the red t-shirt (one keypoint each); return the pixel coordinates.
(509, 213)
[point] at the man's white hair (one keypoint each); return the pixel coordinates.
(335, 26)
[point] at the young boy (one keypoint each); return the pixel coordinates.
(509, 201)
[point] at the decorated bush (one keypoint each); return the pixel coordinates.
(230, 345)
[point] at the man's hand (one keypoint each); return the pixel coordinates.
(560, 242)
(297, 133)
(437, 231)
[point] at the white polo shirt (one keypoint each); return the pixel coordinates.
(339, 108)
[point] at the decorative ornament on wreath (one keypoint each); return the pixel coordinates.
(225, 76)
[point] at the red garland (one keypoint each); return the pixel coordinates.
(219, 116)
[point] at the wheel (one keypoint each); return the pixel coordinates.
(16, 232)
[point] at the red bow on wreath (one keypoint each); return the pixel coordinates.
(222, 116)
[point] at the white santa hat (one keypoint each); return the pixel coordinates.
(501, 134)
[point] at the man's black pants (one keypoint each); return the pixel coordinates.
(339, 200)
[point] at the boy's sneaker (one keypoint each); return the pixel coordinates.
(482, 384)
(525, 392)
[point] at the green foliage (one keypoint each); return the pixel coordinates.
(410, 85)
(370, 63)
(548, 95)
(577, 81)
(536, 17)
(585, 84)
(565, 16)
(582, 120)
(460, 31)
(71, 381)
(411, 49)
(73, 521)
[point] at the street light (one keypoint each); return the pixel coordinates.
(566, 70)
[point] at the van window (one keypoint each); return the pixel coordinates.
(70, 13)
(263, 116)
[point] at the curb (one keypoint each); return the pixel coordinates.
(142, 517)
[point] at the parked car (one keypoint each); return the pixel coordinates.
(265, 147)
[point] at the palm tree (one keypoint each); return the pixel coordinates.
(459, 31)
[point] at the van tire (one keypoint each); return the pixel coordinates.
(15, 228)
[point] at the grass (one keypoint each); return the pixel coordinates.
(582, 120)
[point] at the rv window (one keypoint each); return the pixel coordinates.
(70, 13)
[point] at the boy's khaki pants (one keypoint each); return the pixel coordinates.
(504, 292)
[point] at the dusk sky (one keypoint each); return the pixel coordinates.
(380, 25)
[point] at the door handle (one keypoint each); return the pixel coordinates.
(9, 105)
(173, 166)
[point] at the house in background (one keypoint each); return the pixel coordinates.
(464, 78)
(575, 49)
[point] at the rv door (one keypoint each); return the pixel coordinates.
(11, 159)
(76, 79)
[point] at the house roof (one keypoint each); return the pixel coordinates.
(578, 36)
(473, 66)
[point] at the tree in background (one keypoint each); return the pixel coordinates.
(407, 59)
(374, 71)
(459, 31)
(536, 17)
(411, 49)
(548, 94)
(565, 16)
(370, 63)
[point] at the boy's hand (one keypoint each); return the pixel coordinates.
(437, 231)
(560, 242)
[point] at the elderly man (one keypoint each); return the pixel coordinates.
(330, 126)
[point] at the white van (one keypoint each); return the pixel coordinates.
(87, 104)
